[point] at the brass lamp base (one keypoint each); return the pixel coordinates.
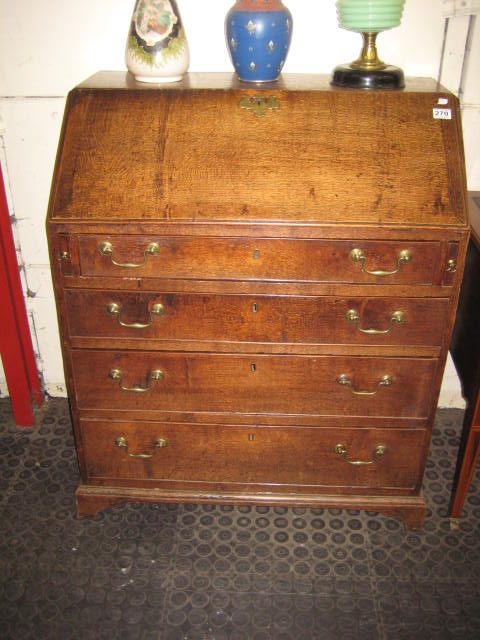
(368, 71)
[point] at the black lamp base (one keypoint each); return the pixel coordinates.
(389, 77)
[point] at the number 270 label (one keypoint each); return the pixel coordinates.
(442, 114)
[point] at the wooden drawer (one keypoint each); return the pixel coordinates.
(253, 384)
(267, 319)
(177, 453)
(259, 259)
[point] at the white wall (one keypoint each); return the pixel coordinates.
(47, 47)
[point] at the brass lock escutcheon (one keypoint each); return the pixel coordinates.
(341, 450)
(259, 104)
(397, 317)
(155, 376)
(121, 443)
(359, 255)
(106, 249)
(114, 309)
(344, 380)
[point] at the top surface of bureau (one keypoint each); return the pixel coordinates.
(192, 153)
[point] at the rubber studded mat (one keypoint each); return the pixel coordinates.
(215, 573)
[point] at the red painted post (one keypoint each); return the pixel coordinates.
(16, 346)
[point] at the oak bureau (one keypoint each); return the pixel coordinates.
(256, 288)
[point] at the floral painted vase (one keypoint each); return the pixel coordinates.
(157, 48)
(258, 34)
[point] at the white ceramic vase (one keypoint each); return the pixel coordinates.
(157, 47)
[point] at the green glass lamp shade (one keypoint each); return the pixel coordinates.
(369, 17)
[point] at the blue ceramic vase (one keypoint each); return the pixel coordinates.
(258, 34)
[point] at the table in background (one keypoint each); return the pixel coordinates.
(465, 350)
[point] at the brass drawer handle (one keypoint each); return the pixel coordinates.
(341, 450)
(115, 309)
(386, 381)
(106, 249)
(121, 443)
(452, 266)
(358, 255)
(354, 316)
(155, 376)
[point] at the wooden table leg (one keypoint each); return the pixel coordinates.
(467, 459)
